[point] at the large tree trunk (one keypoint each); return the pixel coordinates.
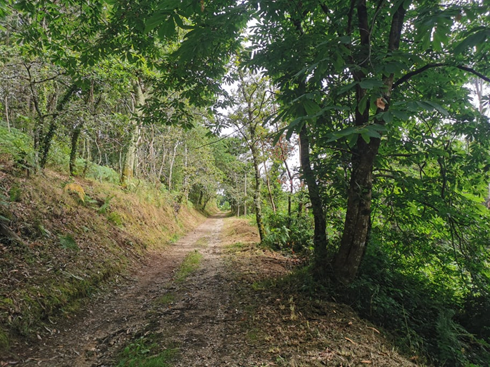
(358, 216)
(320, 237)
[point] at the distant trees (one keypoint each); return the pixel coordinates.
(84, 108)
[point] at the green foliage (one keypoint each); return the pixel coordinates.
(421, 312)
(104, 208)
(115, 218)
(68, 242)
(4, 340)
(17, 144)
(144, 353)
(289, 233)
(3, 206)
(103, 173)
(15, 194)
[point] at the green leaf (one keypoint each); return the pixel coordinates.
(363, 104)
(366, 137)
(387, 117)
(343, 133)
(352, 140)
(345, 40)
(169, 4)
(371, 83)
(435, 106)
(68, 242)
(394, 67)
(167, 29)
(475, 39)
(400, 115)
(179, 22)
(347, 87)
(311, 107)
(154, 21)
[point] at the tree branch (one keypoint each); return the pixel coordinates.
(408, 76)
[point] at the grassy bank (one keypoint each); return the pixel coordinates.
(61, 237)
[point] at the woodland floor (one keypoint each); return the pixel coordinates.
(229, 312)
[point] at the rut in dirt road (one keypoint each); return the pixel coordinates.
(193, 322)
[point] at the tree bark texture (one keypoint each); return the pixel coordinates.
(74, 147)
(319, 237)
(358, 216)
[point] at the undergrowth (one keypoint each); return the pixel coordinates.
(425, 319)
(146, 353)
(292, 234)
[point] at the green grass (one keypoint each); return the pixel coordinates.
(236, 246)
(4, 340)
(115, 218)
(142, 353)
(202, 242)
(189, 265)
(174, 238)
(166, 299)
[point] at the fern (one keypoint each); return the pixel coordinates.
(104, 208)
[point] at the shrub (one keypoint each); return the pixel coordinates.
(288, 233)
(421, 312)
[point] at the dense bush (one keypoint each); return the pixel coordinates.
(289, 233)
(16, 144)
(422, 314)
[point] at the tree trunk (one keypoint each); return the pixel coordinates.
(170, 173)
(130, 159)
(7, 112)
(245, 196)
(74, 146)
(358, 216)
(290, 176)
(319, 237)
(257, 198)
(268, 182)
(48, 138)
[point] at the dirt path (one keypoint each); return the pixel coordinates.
(111, 321)
(238, 309)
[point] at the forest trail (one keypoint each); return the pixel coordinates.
(111, 320)
(221, 314)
